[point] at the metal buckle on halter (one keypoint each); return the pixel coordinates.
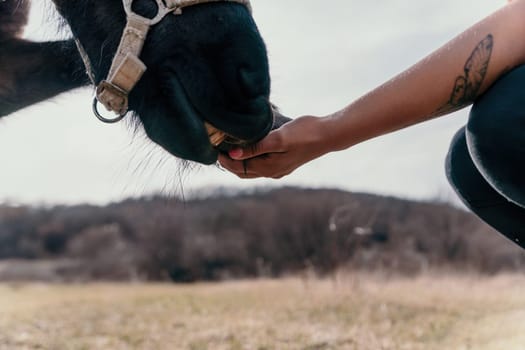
(115, 99)
(162, 12)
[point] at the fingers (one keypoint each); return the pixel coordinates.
(251, 168)
(271, 144)
(239, 168)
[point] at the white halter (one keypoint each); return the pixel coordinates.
(127, 69)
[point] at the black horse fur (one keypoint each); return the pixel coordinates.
(208, 64)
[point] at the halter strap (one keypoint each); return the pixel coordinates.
(126, 68)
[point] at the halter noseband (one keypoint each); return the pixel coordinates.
(127, 69)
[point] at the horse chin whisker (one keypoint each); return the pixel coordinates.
(148, 162)
(134, 123)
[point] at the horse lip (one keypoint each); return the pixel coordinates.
(215, 136)
(220, 139)
(219, 136)
(177, 126)
(228, 141)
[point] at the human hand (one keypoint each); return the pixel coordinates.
(281, 152)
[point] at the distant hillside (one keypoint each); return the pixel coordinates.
(235, 235)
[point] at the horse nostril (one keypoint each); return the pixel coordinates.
(252, 82)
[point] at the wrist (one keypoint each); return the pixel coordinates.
(333, 132)
(325, 133)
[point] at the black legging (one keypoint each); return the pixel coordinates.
(486, 161)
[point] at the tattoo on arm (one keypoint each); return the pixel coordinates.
(468, 85)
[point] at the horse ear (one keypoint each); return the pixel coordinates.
(13, 18)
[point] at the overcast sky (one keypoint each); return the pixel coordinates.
(323, 55)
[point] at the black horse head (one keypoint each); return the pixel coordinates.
(208, 64)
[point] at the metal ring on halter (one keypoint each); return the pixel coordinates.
(104, 119)
(162, 12)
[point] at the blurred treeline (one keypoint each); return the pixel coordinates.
(231, 234)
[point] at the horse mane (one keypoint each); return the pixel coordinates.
(13, 18)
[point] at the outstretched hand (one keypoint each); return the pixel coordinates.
(281, 152)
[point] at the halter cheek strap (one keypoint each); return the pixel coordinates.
(127, 68)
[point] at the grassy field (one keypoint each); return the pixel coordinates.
(358, 312)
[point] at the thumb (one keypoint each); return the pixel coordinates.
(270, 144)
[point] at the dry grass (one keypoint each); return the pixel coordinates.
(361, 312)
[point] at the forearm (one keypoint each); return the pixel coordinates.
(449, 79)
